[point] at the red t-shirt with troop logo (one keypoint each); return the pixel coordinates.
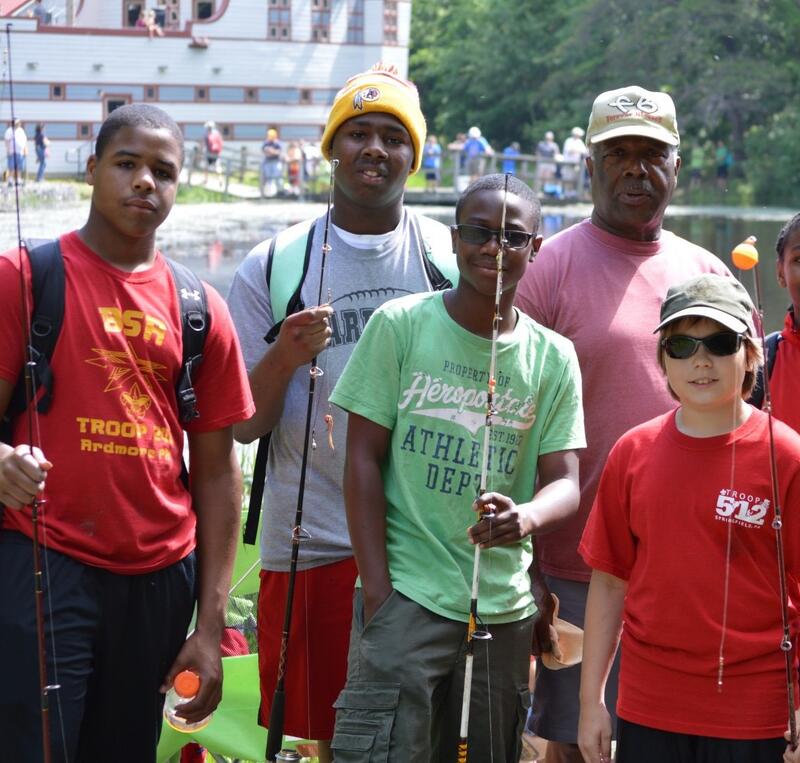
(114, 495)
(660, 521)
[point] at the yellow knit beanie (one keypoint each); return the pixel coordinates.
(379, 89)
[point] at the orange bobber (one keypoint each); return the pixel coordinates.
(745, 255)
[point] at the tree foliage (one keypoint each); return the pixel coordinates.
(519, 67)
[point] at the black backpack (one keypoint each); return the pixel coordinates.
(773, 342)
(47, 311)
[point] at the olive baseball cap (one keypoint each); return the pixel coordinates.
(633, 110)
(719, 298)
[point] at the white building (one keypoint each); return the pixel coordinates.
(245, 64)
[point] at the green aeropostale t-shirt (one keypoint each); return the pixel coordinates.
(418, 373)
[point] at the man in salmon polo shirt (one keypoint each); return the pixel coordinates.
(601, 283)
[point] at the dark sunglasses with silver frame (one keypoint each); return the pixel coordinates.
(680, 346)
(477, 234)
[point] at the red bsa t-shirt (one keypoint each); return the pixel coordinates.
(114, 497)
(665, 509)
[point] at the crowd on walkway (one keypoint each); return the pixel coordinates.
(496, 442)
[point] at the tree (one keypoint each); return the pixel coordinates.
(518, 67)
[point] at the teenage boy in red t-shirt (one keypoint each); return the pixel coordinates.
(683, 552)
(127, 549)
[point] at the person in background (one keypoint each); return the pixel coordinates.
(41, 143)
(509, 165)
(573, 155)
(213, 144)
(623, 251)
(147, 19)
(547, 154)
(40, 13)
(723, 157)
(16, 150)
(476, 149)
(432, 162)
(271, 169)
(294, 167)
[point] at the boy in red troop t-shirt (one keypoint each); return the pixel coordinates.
(127, 549)
(683, 552)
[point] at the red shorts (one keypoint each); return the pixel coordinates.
(316, 665)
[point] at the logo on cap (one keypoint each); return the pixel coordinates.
(368, 94)
(624, 104)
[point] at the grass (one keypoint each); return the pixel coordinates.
(193, 194)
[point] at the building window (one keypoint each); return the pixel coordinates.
(355, 21)
(305, 96)
(226, 130)
(85, 130)
(151, 93)
(279, 19)
(203, 9)
(201, 94)
(320, 20)
(56, 92)
(390, 22)
(132, 9)
(251, 95)
(172, 14)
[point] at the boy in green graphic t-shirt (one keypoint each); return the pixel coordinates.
(416, 389)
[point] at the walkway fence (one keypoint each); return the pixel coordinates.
(550, 178)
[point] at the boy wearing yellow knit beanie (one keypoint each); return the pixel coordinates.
(378, 250)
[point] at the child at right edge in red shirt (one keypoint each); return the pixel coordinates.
(684, 560)
(783, 379)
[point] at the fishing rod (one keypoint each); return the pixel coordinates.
(32, 415)
(299, 535)
(473, 633)
(745, 257)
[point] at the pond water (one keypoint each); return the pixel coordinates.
(213, 238)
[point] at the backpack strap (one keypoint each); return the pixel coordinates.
(439, 261)
(47, 316)
(195, 323)
(773, 341)
(287, 266)
(257, 484)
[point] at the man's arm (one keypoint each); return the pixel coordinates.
(302, 336)
(601, 634)
(555, 501)
(22, 469)
(216, 486)
(365, 505)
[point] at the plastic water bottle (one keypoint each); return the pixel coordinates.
(184, 689)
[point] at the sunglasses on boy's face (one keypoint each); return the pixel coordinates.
(680, 347)
(477, 234)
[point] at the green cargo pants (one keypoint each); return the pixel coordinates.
(405, 682)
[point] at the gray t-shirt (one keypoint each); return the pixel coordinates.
(358, 282)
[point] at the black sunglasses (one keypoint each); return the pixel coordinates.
(681, 347)
(477, 234)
